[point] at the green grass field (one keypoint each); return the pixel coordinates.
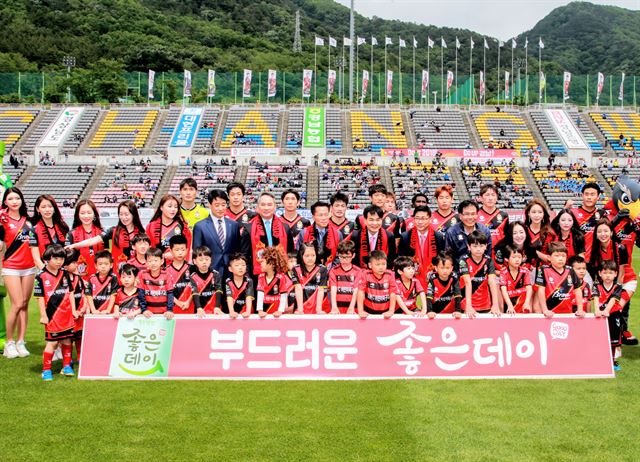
(469, 420)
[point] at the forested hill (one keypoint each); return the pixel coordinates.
(234, 34)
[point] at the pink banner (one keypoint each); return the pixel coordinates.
(465, 153)
(344, 347)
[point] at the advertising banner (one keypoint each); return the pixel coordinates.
(313, 134)
(186, 128)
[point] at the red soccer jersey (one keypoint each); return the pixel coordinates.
(495, 221)
(127, 302)
(155, 290)
(86, 262)
(101, 289)
(390, 221)
(16, 235)
(443, 296)
(183, 287)
(409, 295)
(120, 245)
(627, 235)
(280, 284)
(311, 282)
(240, 294)
(441, 223)
(538, 240)
(479, 273)
(206, 288)
(77, 286)
(296, 225)
(141, 265)
(605, 295)
(346, 283)
(345, 227)
(516, 286)
(160, 234)
(587, 223)
(559, 288)
(587, 296)
(377, 291)
(573, 247)
(56, 290)
(42, 236)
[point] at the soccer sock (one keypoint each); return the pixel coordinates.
(47, 358)
(78, 348)
(66, 354)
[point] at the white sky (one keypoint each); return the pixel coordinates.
(496, 18)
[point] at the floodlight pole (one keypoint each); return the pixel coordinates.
(69, 61)
(351, 53)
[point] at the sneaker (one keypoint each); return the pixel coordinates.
(616, 366)
(67, 371)
(10, 351)
(628, 338)
(57, 355)
(47, 376)
(22, 349)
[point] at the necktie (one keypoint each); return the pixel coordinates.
(321, 234)
(221, 232)
(372, 242)
(422, 243)
(267, 230)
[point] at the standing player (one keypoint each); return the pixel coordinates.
(410, 289)
(180, 275)
(127, 302)
(273, 283)
(587, 215)
(309, 281)
(155, 289)
(607, 294)
(239, 288)
(290, 202)
(191, 211)
(489, 215)
(237, 210)
(207, 297)
(445, 217)
(339, 203)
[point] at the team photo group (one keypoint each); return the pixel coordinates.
(445, 260)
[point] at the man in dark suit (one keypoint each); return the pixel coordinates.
(222, 235)
(373, 237)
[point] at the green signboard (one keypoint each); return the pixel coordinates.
(313, 134)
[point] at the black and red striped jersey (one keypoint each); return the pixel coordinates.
(155, 293)
(238, 293)
(346, 283)
(443, 296)
(311, 282)
(127, 302)
(605, 295)
(516, 285)
(377, 291)
(42, 236)
(16, 235)
(183, 287)
(496, 221)
(272, 290)
(409, 295)
(559, 287)
(479, 272)
(296, 225)
(100, 289)
(207, 290)
(57, 291)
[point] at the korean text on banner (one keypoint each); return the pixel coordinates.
(187, 127)
(344, 347)
(313, 135)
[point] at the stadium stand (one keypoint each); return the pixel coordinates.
(411, 178)
(586, 132)
(64, 182)
(560, 182)
(611, 169)
(13, 124)
(208, 177)
(375, 129)
(251, 127)
(32, 140)
(121, 130)
(138, 183)
(205, 136)
(333, 128)
(512, 185)
(14, 172)
(439, 129)
(496, 128)
(621, 130)
(294, 129)
(353, 180)
(166, 131)
(275, 179)
(548, 133)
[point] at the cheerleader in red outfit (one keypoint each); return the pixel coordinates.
(48, 227)
(86, 225)
(167, 222)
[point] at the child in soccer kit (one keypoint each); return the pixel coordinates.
(309, 279)
(443, 288)
(377, 289)
(54, 291)
(410, 288)
(155, 288)
(478, 277)
(292, 262)
(607, 293)
(207, 292)
(579, 265)
(558, 286)
(101, 287)
(343, 280)
(127, 303)
(515, 282)
(71, 266)
(180, 274)
(273, 283)
(139, 245)
(238, 288)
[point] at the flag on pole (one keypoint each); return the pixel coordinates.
(403, 44)
(526, 43)
(319, 42)
(621, 92)
(361, 41)
(541, 43)
(457, 43)
(365, 83)
(506, 85)
(332, 81)
(152, 78)
(271, 84)
(346, 42)
(388, 41)
(211, 83)
(600, 85)
(513, 43)
(471, 43)
(567, 82)
(333, 42)
(500, 43)
(415, 43)
(482, 85)
(486, 45)
(449, 80)
(374, 41)
(307, 76)
(443, 44)
(425, 83)
(246, 83)
(186, 91)
(430, 42)
(543, 82)
(389, 84)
